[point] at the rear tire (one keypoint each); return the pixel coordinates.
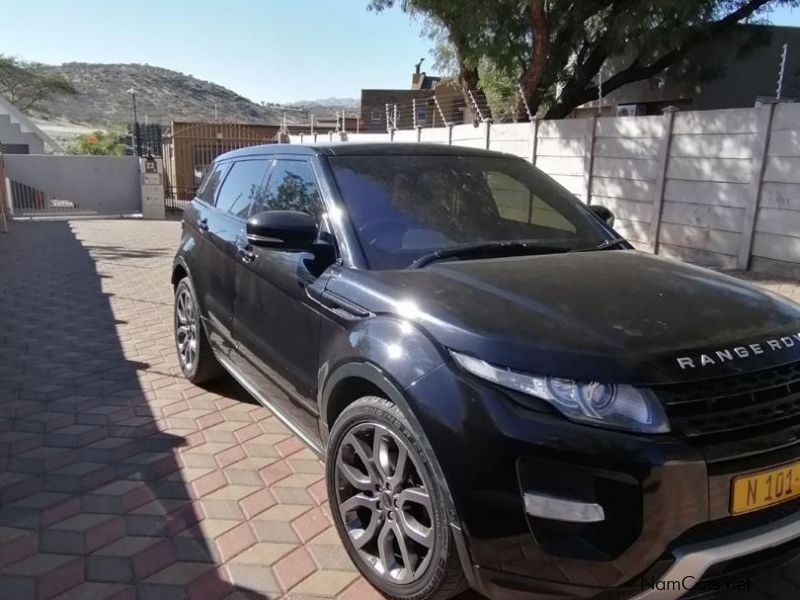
(197, 360)
(382, 487)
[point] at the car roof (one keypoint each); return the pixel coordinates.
(359, 149)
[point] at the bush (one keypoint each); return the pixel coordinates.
(98, 143)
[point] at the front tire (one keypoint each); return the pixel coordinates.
(197, 360)
(388, 506)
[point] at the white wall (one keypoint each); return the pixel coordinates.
(718, 188)
(777, 228)
(105, 184)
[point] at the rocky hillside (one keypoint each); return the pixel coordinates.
(328, 107)
(162, 95)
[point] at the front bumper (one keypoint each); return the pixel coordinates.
(651, 491)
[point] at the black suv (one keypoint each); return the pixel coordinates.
(506, 394)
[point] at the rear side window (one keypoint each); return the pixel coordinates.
(243, 186)
(292, 186)
(208, 188)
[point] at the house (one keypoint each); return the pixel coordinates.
(729, 73)
(20, 135)
(188, 148)
(382, 109)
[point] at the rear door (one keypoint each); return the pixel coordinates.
(200, 252)
(242, 184)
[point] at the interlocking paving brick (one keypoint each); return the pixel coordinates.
(294, 567)
(324, 583)
(99, 591)
(235, 540)
(81, 534)
(41, 576)
(257, 578)
(16, 545)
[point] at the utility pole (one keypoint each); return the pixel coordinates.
(135, 128)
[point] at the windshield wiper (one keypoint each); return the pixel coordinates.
(506, 248)
(612, 243)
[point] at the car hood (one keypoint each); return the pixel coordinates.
(613, 316)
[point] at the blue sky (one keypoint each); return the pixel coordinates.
(271, 50)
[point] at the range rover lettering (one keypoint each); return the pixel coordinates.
(506, 394)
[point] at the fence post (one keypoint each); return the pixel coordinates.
(534, 139)
(487, 135)
(449, 134)
(765, 113)
(9, 196)
(588, 158)
(661, 178)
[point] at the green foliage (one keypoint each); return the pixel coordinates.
(98, 143)
(501, 88)
(496, 39)
(26, 84)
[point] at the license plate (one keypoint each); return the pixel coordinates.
(760, 490)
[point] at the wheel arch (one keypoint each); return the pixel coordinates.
(352, 381)
(179, 271)
(343, 387)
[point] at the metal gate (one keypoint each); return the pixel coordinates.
(50, 185)
(4, 208)
(189, 148)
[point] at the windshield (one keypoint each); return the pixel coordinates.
(405, 207)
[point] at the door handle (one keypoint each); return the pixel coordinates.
(246, 255)
(202, 224)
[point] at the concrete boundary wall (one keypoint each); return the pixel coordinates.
(97, 184)
(719, 188)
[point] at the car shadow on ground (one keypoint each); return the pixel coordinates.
(93, 501)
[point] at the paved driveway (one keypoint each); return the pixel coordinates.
(118, 478)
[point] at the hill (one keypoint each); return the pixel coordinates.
(328, 107)
(162, 95)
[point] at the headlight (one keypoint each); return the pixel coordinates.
(606, 405)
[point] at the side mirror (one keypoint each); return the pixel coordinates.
(604, 213)
(282, 229)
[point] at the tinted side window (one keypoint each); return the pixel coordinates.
(208, 188)
(243, 186)
(291, 186)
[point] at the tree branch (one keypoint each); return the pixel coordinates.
(636, 71)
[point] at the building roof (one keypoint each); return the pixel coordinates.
(26, 125)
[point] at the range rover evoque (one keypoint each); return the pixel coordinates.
(507, 395)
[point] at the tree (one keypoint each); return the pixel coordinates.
(557, 48)
(27, 84)
(99, 143)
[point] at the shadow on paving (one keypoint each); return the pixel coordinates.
(93, 502)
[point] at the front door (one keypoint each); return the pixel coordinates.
(276, 326)
(242, 184)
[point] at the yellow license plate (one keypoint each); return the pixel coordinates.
(760, 490)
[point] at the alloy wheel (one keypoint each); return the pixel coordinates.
(186, 328)
(384, 502)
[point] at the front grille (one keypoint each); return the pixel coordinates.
(759, 411)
